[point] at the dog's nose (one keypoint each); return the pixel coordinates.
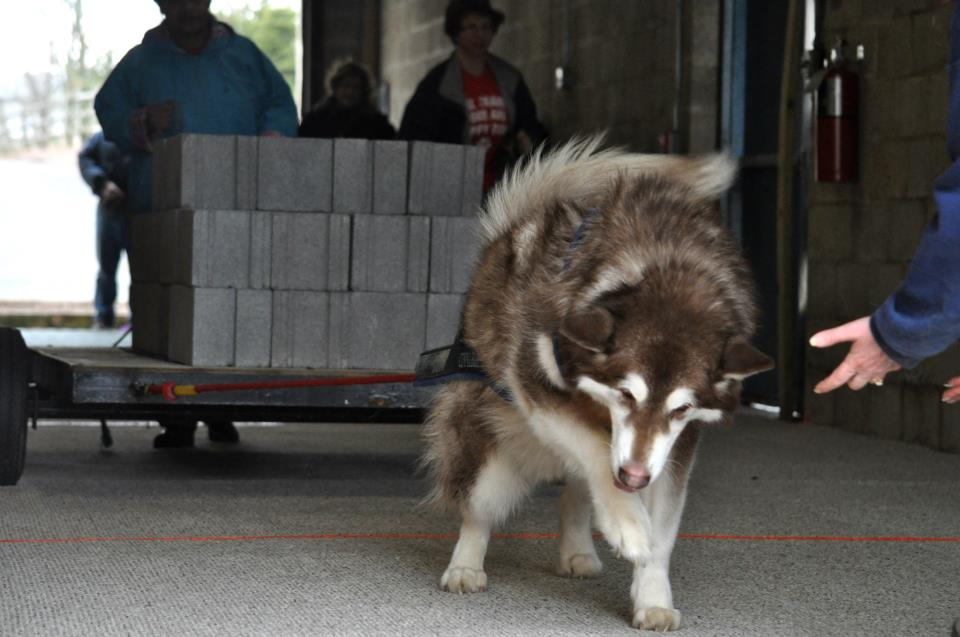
(634, 475)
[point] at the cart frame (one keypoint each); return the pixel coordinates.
(100, 384)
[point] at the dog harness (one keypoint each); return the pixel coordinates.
(459, 362)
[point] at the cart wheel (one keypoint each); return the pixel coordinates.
(14, 377)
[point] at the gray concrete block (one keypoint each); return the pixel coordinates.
(202, 326)
(375, 330)
(213, 248)
(149, 308)
(338, 252)
(473, 163)
(253, 330)
(261, 233)
(158, 176)
(352, 176)
(300, 329)
(443, 318)
(246, 173)
(454, 245)
(310, 252)
(390, 253)
(143, 242)
(436, 179)
(390, 160)
(295, 174)
(196, 171)
(164, 251)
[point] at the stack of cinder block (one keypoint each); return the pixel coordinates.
(280, 252)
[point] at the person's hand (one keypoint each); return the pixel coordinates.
(111, 196)
(864, 363)
(952, 394)
(160, 117)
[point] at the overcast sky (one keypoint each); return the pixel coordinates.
(30, 30)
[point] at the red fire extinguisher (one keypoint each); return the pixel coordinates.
(838, 108)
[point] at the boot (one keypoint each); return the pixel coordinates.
(176, 435)
(222, 431)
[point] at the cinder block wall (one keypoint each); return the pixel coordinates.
(862, 235)
(619, 58)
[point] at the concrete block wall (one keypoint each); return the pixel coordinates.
(358, 258)
(862, 235)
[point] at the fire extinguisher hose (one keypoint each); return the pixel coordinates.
(171, 391)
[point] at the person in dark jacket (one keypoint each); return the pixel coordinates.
(475, 97)
(922, 317)
(348, 110)
(104, 168)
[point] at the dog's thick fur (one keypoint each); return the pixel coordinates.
(615, 310)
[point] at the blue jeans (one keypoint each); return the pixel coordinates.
(113, 238)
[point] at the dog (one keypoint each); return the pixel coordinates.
(611, 313)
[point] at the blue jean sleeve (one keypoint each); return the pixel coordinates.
(278, 112)
(922, 317)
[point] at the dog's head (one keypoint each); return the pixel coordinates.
(656, 370)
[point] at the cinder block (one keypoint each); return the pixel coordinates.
(454, 245)
(338, 252)
(253, 328)
(436, 179)
(352, 176)
(166, 252)
(295, 174)
(310, 252)
(212, 249)
(375, 330)
(149, 308)
(390, 253)
(300, 329)
(473, 163)
(195, 171)
(390, 159)
(246, 174)
(202, 326)
(443, 319)
(143, 248)
(261, 233)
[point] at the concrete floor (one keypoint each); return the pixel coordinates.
(315, 530)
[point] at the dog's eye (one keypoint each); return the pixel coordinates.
(680, 411)
(627, 396)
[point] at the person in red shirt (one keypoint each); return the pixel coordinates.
(475, 97)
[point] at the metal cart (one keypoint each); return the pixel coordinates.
(108, 384)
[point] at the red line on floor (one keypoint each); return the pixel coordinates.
(453, 536)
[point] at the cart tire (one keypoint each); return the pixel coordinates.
(14, 377)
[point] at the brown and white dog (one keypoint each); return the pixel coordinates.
(611, 311)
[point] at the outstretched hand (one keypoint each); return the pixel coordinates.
(865, 363)
(952, 395)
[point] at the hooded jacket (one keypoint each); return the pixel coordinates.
(922, 317)
(228, 88)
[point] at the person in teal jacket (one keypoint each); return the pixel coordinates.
(190, 74)
(922, 317)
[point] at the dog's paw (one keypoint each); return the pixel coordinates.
(627, 537)
(463, 580)
(654, 618)
(579, 565)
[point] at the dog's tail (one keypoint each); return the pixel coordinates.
(581, 172)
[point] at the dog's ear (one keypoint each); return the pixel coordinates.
(590, 329)
(741, 359)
